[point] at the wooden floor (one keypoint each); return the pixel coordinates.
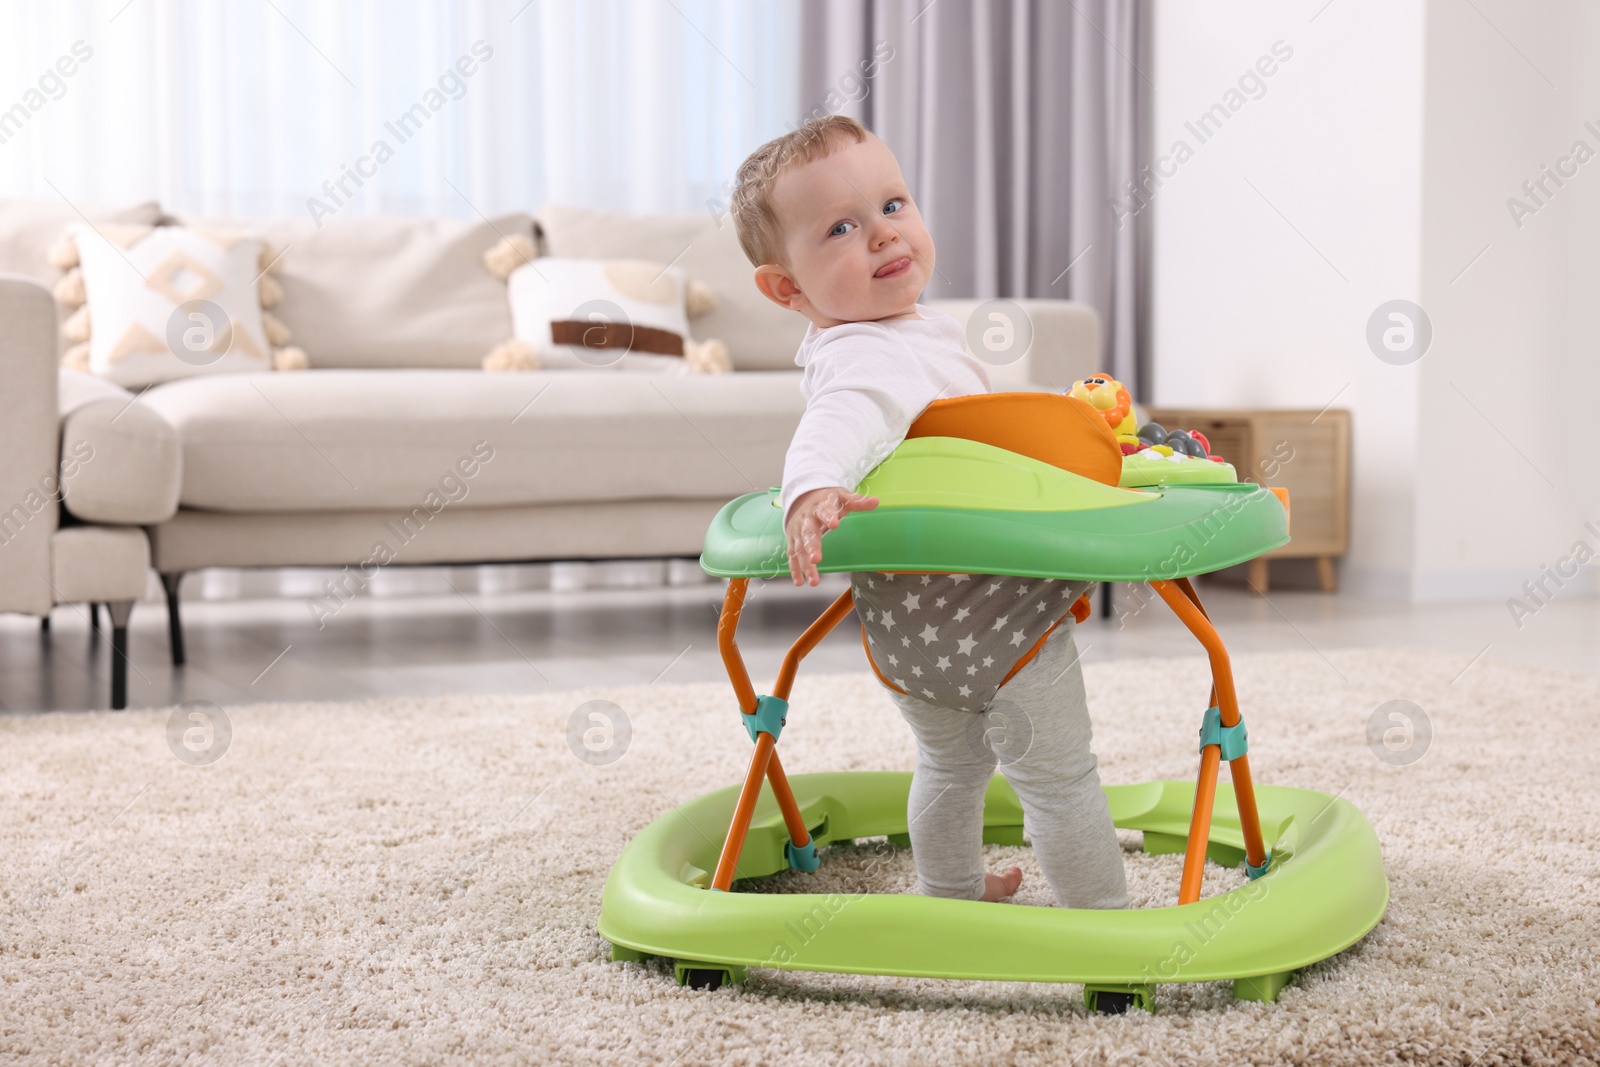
(458, 635)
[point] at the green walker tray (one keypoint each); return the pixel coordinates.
(950, 504)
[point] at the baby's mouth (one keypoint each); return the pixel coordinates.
(895, 269)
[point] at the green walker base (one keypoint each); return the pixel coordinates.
(1325, 889)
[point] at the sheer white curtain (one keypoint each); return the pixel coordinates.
(255, 107)
(248, 107)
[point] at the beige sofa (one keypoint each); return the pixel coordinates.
(69, 439)
(396, 448)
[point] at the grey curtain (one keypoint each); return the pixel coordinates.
(1019, 127)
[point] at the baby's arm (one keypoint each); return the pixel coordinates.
(850, 425)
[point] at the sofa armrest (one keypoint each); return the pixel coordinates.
(29, 490)
(1066, 343)
(121, 462)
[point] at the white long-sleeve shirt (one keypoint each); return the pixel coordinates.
(864, 384)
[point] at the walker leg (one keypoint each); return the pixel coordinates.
(1226, 699)
(727, 626)
(1194, 854)
(1187, 588)
(833, 616)
(1185, 603)
(786, 802)
(740, 827)
(765, 765)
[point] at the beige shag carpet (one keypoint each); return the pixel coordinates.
(416, 882)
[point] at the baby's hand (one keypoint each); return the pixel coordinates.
(813, 514)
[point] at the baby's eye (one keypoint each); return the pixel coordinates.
(890, 209)
(839, 230)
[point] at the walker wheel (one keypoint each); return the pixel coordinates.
(701, 978)
(705, 974)
(1118, 999)
(1114, 1003)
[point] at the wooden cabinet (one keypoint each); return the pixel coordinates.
(1306, 452)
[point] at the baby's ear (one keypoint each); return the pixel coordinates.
(778, 286)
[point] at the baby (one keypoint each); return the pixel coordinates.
(983, 667)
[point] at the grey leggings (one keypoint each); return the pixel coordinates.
(1037, 730)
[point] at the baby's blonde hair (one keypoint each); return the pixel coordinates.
(754, 218)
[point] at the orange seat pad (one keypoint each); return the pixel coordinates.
(1053, 428)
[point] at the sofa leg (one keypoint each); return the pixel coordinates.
(119, 610)
(94, 620)
(1105, 600)
(44, 624)
(170, 583)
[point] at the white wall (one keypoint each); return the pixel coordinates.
(1374, 167)
(1513, 377)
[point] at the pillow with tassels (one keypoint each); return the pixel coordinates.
(155, 303)
(597, 314)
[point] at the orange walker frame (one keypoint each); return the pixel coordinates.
(1178, 594)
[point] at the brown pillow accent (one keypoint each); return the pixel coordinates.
(617, 335)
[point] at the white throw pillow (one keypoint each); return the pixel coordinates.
(594, 314)
(167, 302)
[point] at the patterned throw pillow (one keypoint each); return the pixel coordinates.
(594, 314)
(156, 303)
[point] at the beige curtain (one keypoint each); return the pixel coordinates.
(1018, 125)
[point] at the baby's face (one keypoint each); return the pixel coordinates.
(858, 249)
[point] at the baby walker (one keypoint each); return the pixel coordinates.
(1028, 484)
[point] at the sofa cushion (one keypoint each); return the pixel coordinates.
(759, 334)
(384, 292)
(342, 440)
(75, 389)
(29, 227)
(120, 461)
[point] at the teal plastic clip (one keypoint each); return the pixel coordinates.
(770, 715)
(1256, 872)
(1231, 739)
(802, 859)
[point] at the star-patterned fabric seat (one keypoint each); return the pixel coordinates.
(955, 639)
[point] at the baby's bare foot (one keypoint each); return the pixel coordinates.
(998, 887)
